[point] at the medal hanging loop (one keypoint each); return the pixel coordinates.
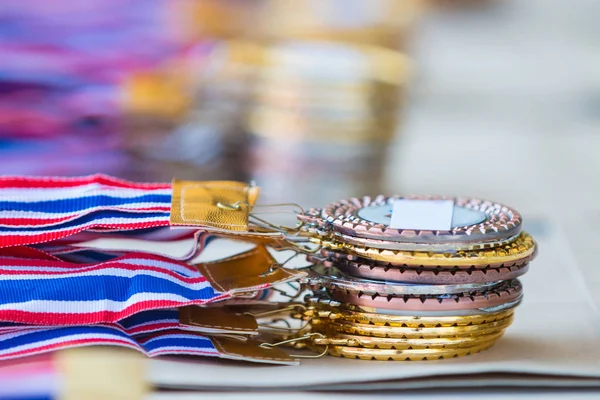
(253, 210)
(294, 307)
(274, 266)
(292, 234)
(303, 338)
(270, 327)
(229, 208)
(303, 249)
(280, 315)
(298, 291)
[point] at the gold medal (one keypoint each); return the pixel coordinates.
(405, 344)
(365, 315)
(405, 355)
(518, 252)
(326, 326)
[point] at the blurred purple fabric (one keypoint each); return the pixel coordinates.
(62, 66)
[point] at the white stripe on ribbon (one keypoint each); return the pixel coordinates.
(97, 336)
(96, 222)
(42, 265)
(32, 195)
(93, 306)
(131, 207)
(111, 272)
(165, 350)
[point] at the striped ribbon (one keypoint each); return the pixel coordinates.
(34, 341)
(40, 288)
(44, 291)
(142, 323)
(37, 210)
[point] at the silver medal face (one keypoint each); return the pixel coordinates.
(430, 223)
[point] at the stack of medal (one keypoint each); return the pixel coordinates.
(328, 97)
(59, 292)
(385, 292)
(324, 114)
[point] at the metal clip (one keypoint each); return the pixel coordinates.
(263, 314)
(305, 337)
(275, 266)
(294, 308)
(299, 290)
(288, 330)
(292, 234)
(304, 249)
(266, 209)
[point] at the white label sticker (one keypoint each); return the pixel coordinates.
(431, 215)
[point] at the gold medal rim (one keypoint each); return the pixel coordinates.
(518, 252)
(404, 355)
(358, 317)
(327, 326)
(348, 340)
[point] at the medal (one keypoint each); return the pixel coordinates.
(412, 278)
(518, 252)
(506, 292)
(475, 224)
(378, 270)
(413, 333)
(331, 278)
(405, 355)
(403, 343)
(336, 311)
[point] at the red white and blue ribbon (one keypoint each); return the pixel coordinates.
(39, 288)
(37, 210)
(143, 323)
(34, 341)
(50, 292)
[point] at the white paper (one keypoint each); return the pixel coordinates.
(477, 395)
(433, 215)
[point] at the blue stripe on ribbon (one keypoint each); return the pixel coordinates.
(86, 219)
(141, 318)
(82, 203)
(190, 340)
(31, 338)
(94, 288)
(145, 317)
(89, 256)
(39, 335)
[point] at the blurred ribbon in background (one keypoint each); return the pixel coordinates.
(304, 97)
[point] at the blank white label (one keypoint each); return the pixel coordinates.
(431, 215)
